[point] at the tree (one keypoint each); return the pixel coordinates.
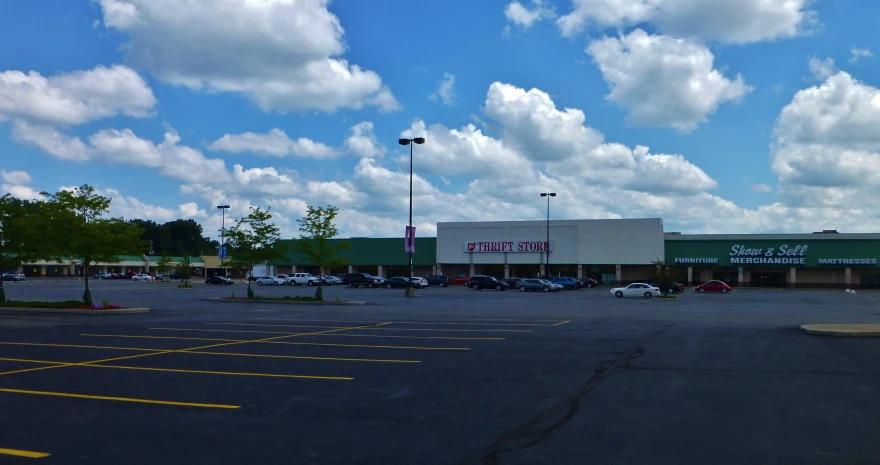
(317, 229)
(255, 240)
(79, 229)
(664, 276)
(164, 263)
(21, 238)
(184, 269)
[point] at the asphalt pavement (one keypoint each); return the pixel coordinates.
(451, 377)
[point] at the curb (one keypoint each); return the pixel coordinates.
(287, 302)
(853, 330)
(118, 311)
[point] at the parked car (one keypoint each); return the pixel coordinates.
(303, 279)
(420, 283)
(13, 277)
(566, 282)
(159, 277)
(533, 284)
(674, 287)
(480, 282)
(357, 280)
(512, 283)
(141, 277)
(378, 281)
(588, 282)
(714, 286)
(268, 281)
(330, 280)
(219, 280)
(460, 280)
(556, 286)
(103, 275)
(636, 290)
(284, 279)
(439, 280)
(129, 275)
(398, 282)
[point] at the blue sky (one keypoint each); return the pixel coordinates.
(744, 135)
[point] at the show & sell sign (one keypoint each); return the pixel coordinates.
(782, 254)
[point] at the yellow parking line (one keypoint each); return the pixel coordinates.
(160, 352)
(364, 329)
(118, 399)
(465, 323)
(425, 318)
(236, 354)
(562, 323)
(76, 346)
(419, 337)
(382, 324)
(291, 326)
(176, 370)
(279, 342)
(23, 453)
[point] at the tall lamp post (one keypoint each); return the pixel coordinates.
(548, 195)
(409, 142)
(223, 239)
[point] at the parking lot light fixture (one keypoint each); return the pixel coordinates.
(410, 291)
(547, 262)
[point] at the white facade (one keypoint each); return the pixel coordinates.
(607, 242)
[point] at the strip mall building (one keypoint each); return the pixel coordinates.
(621, 251)
(618, 251)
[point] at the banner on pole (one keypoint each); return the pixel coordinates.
(222, 254)
(409, 240)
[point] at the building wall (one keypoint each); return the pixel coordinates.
(621, 242)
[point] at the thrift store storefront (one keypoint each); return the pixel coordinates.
(821, 260)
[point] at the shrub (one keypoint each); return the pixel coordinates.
(319, 294)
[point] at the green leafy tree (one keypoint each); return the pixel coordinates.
(164, 263)
(664, 276)
(184, 269)
(255, 240)
(21, 237)
(79, 228)
(317, 228)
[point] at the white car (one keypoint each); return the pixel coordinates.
(141, 277)
(300, 279)
(268, 281)
(554, 286)
(419, 282)
(285, 279)
(636, 290)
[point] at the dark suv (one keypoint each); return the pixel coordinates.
(438, 280)
(359, 279)
(478, 283)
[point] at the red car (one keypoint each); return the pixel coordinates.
(714, 286)
(460, 280)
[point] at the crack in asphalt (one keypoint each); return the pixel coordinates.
(571, 406)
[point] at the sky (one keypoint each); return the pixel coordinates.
(719, 116)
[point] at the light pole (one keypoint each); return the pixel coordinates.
(223, 239)
(409, 142)
(548, 195)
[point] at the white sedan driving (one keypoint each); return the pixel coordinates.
(141, 277)
(636, 290)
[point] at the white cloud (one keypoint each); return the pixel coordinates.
(827, 148)
(859, 53)
(821, 69)
(740, 21)
(521, 15)
(282, 54)
(761, 188)
(664, 81)
(16, 177)
(74, 98)
(274, 143)
(130, 207)
(446, 90)
(362, 142)
(50, 140)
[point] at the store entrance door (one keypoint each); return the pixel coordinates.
(870, 281)
(763, 279)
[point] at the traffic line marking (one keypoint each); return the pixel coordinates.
(392, 323)
(468, 324)
(30, 318)
(455, 338)
(465, 319)
(178, 370)
(23, 453)
(119, 399)
(77, 346)
(160, 352)
(278, 342)
(562, 323)
(364, 329)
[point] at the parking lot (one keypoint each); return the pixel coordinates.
(453, 376)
